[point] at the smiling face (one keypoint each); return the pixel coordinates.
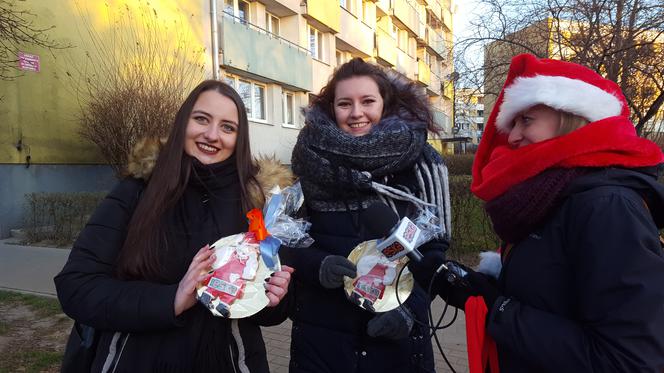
(537, 124)
(358, 105)
(212, 128)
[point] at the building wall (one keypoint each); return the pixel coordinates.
(276, 53)
(405, 35)
(40, 148)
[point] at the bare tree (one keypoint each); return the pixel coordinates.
(136, 76)
(622, 40)
(18, 29)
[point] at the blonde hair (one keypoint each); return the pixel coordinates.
(570, 122)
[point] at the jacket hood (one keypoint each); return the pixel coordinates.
(271, 172)
(642, 180)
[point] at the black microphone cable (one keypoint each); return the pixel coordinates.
(431, 327)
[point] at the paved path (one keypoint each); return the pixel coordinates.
(31, 269)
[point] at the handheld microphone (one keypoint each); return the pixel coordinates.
(400, 237)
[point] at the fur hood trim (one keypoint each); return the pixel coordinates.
(143, 158)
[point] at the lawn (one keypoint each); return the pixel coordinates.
(33, 333)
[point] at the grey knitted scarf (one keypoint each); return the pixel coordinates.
(340, 172)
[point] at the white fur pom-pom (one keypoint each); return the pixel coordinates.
(490, 263)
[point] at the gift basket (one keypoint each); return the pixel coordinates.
(235, 288)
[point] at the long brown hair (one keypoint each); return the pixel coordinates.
(397, 92)
(139, 257)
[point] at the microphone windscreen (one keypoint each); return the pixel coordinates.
(379, 219)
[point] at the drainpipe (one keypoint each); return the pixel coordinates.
(215, 39)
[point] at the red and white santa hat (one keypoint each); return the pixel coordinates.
(560, 85)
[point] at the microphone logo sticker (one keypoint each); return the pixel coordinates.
(392, 250)
(409, 232)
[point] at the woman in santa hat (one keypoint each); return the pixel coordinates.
(572, 192)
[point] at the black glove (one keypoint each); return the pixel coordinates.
(394, 324)
(333, 268)
(433, 256)
(458, 289)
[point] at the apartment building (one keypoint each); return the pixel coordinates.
(468, 117)
(278, 53)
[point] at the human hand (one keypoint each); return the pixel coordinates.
(185, 296)
(433, 255)
(463, 282)
(333, 268)
(394, 324)
(276, 286)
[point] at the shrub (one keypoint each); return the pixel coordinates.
(460, 164)
(138, 71)
(58, 217)
(471, 227)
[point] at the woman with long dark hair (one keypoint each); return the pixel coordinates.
(364, 142)
(133, 271)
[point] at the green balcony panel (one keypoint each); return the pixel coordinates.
(249, 49)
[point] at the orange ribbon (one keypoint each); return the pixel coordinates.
(257, 225)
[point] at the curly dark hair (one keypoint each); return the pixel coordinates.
(400, 96)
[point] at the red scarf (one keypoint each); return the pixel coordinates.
(607, 142)
(482, 351)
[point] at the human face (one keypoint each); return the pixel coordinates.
(539, 123)
(212, 128)
(358, 105)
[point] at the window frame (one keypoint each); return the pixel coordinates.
(269, 17)
(284, 107)
(252, 97)
(318, 42)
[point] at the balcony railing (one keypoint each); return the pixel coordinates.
(246, 47)
(261, 30)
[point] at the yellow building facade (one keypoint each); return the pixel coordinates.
(275, 53)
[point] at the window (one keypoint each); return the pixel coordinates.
(345, 4)
(315, 43)
(258, 106)
(229, 7)
(238, 9)
(253, 96)
(272, 23)
(288, 109)
(243, 10)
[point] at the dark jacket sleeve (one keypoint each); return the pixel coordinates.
(306, 262)
(619, 272)
(86, 287)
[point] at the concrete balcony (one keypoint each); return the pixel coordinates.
(423, 73)
(435, 42)
(434, 88)
(406, 15)
(355, 35)
(448, 90)
(443, 120)
(323, 14)
(282, 8)
(406, 65)
(383, 8)
(436, 9)
(248, 48)
(386, 47)
(447, 19)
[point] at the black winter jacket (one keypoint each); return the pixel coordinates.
(139, 332)
(585, 292)
(329, 332)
